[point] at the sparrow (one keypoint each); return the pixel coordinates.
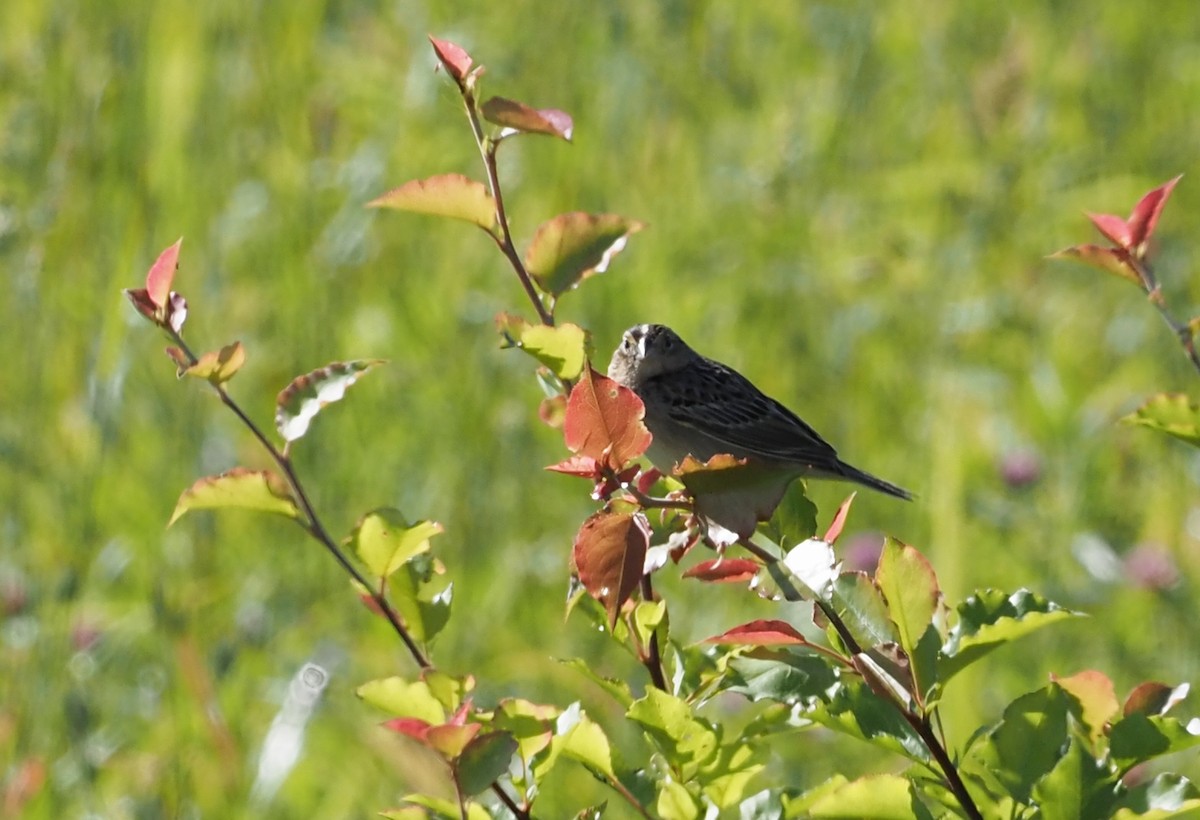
(701, 408)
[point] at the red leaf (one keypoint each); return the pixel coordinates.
(1153, 698)
(140, 298)
(581, 466)
(1115, 229)
(161, 274)
(1146, 213)
(610, 552)
(415, 728)
(724, 570)
(761, 633)
(839, 520)
(521, 117)
(604, 421)
(455, 58)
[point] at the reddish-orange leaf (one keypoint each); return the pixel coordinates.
(724, 570)
(1153, 698)
(521, 117)
(1115, 229)
(761, 633)
(450, 739)
(140, 298)
(161, 274)
(839, 520)
(604, 421)
(610, 551)
(415, 728)
(582, 466)
(455, 58)
(1113, 260)
(1146, 213)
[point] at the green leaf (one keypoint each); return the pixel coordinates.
(448, 809)
(1170, 413)
(450, 195)
(562, 348)
(881, 797)
(910, 588)
(794, 520)
(858, 602)
(240, 489)
(781, 676)
(531, 724)
(1167, 795)
(1138, 738)
(299, 402)
(484, 759)
(422, 595)
(385, 541)
(675, 802)
(218, 366)
(726, 777)
(990, 619)
(854, 710)
(579, 738)
(570, 247)
(686, 741)
(617, 688)
(1077, 786)
(400, 698)
(1026, 744)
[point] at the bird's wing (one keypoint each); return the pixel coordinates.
(721, 404)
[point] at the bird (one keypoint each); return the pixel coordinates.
(698, 407)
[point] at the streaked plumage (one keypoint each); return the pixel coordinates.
(699, 407)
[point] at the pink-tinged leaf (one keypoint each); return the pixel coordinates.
(761, 633)
(450, 195)
(581, 466)
(385, 541)
(609, 554)
(1112, 260)
(300, 401)
(415, 728)
(1093, 701)
(140, 299)
(570, 247)
(1115, 229)
(449, 740)
(182, 363)
(839, 520)
(162, 273)
(238, 488)
(552, 411)
(604, 421)
(521, 117)
(454, 58)
(1144, 218)
(218, 366)
(724, 570)
(1154, 699)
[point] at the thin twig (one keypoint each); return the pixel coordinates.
(653, 658)
(1182, 331)
(919, 723)
(312, 522)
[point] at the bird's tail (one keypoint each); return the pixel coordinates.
(867, 480)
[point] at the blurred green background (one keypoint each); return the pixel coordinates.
(849, 201)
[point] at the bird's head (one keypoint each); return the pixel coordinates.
(647, 351)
